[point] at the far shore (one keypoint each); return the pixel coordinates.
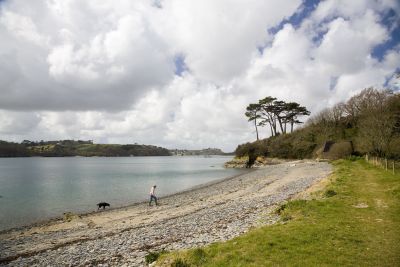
(215, 211)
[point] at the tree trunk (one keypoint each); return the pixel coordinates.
(272, 131)
(280, 124)
(255, 125)
(274, 125)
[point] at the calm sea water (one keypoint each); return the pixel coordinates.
(35, 189)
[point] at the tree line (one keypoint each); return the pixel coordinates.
(370, 121)
(273, 112)
(68, 148)
(67, 142)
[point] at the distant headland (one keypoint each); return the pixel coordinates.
(71, 148)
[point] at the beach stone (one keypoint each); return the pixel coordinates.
(216, 212)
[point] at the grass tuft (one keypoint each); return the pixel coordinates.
(179, 263)
(153, 256)
(280, 209)
(330, 193)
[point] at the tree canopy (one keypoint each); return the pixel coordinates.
(275, 113)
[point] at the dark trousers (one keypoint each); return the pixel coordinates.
(151, 199)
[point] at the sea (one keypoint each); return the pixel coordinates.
(40, 188)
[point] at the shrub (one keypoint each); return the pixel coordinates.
(299, 144)
(341, 150)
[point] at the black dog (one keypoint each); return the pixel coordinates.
(103, 204)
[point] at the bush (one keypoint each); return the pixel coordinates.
(299, 144)
(259, 148)
(341, 150)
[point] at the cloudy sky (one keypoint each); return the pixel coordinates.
(179, 73)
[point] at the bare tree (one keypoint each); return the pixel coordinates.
(375, 121)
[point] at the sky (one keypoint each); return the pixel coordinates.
(180, 73)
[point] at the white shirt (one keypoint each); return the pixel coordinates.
(153, 188)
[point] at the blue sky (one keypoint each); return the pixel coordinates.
(306, 8)
(391, 21)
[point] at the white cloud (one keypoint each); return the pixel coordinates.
(117, 59)
(347, 45)
(17, 123)
(329, 9)
(22, 27)
(105, 70)
(219, 38)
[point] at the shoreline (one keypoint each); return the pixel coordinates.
(216, 211)
(60, 218)
(80, 156)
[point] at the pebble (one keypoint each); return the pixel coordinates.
(218, 222)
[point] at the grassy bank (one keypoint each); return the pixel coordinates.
(355, 221)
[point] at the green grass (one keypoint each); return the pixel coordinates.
(326, 231)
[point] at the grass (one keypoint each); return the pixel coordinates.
(353, 222)
(153, 256)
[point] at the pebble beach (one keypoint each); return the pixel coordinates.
(213, 212)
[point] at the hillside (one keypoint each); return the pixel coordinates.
(368, 123)
(65, 148)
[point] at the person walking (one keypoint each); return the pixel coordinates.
(153, 195)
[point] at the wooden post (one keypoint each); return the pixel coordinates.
(366, 157)
(393, 166)
(386, 164)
